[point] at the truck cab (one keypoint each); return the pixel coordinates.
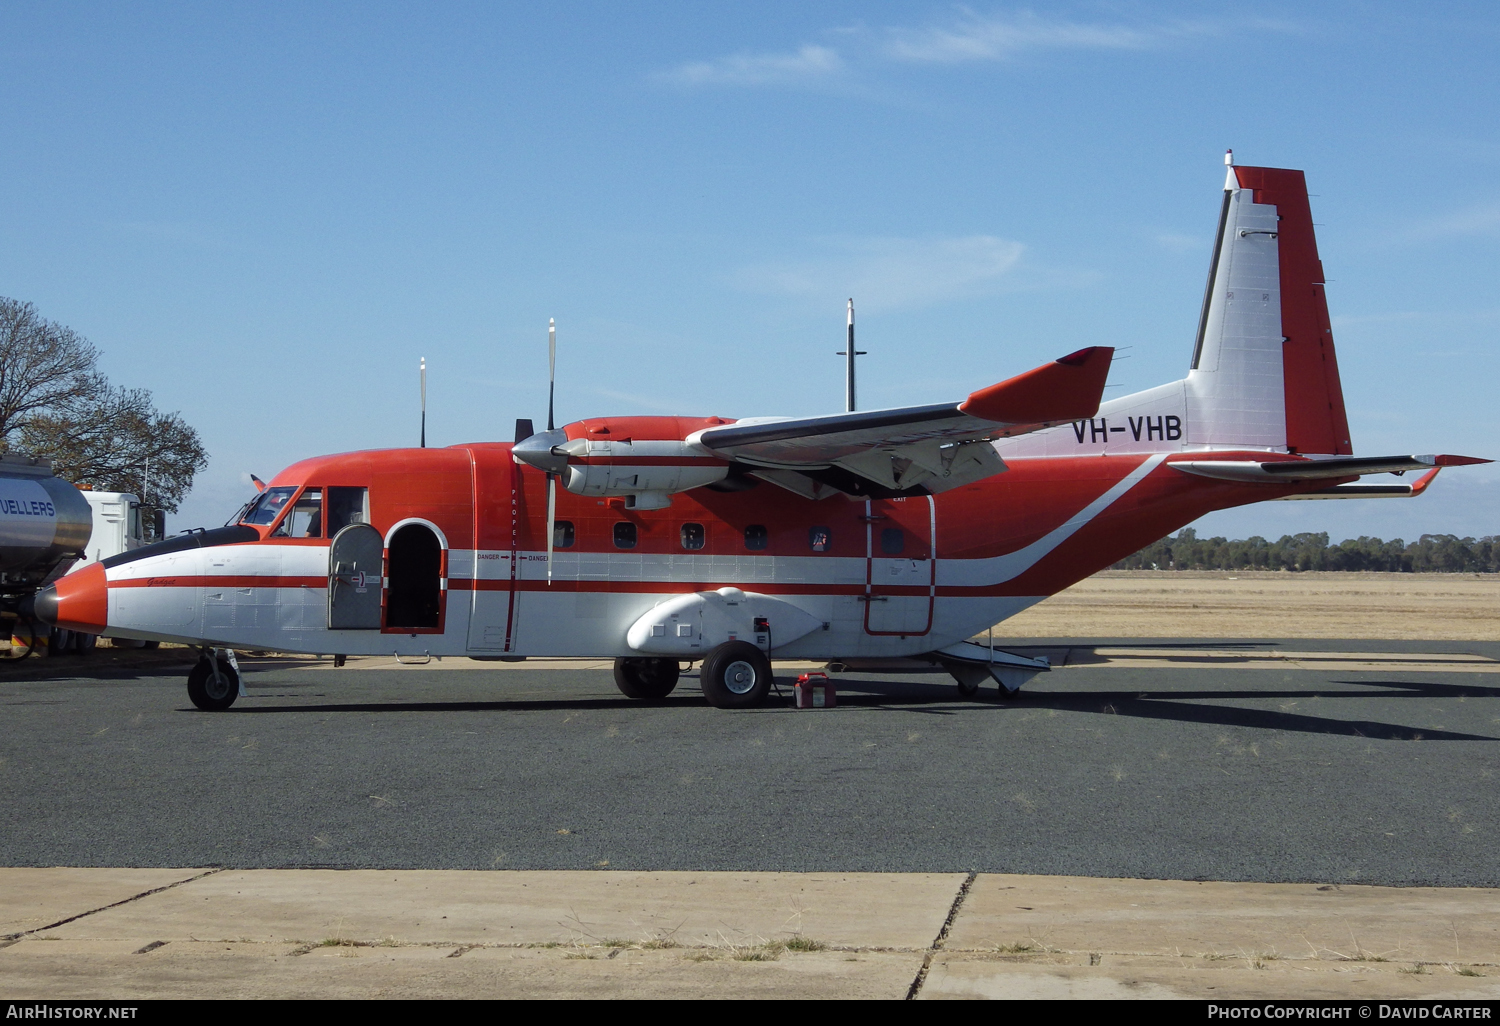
(117, 527)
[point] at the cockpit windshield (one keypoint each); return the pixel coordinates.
(266, 508)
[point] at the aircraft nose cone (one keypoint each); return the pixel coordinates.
(45, 606)
(78, 601)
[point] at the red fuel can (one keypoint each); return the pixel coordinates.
(815, 691)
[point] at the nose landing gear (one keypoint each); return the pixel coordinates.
(214, 682)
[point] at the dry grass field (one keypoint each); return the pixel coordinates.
(1237, 604)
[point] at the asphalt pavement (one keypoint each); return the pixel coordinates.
(1273, 774)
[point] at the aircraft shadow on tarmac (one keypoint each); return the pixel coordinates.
(941, 700)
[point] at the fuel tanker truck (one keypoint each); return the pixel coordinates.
(45, 524)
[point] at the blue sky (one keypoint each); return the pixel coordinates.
(267, 214)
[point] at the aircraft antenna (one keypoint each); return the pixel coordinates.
(849, 353)
(424, 401)
(551, 367)
(551, 477)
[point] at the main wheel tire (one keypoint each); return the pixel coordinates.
(646, 678)
(968, 690)
(59, 641)
(211, 695)
(736, 675)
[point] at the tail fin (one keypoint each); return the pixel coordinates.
(1264, 373)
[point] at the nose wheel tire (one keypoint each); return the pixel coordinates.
(208, 693)
(736, 675)
(968, 690)
(646, 678)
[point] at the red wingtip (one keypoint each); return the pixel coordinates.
(1458, 461)
(1066, 389)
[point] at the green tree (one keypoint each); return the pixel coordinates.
(55, 404)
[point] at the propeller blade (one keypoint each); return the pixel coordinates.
(551, 522)
(551, 368)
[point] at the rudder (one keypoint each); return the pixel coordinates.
(1264, 371)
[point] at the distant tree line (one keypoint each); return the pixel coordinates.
(55, 403)
(1432, 553)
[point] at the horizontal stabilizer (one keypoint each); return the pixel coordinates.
(1372, 491)
(1281, 471)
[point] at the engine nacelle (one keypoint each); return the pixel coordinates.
(644, 460)
(629, 468)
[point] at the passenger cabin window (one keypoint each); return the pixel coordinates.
(892, 541)
(692, 536)
(266, 508)
(306, 518)
(819, 538)
(624, 535)
(347, 506)
(756, 537)
(562, 534)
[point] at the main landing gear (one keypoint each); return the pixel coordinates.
(646, 678)
(214, 683)
(736, 675)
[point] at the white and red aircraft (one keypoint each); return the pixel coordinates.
(886, 533)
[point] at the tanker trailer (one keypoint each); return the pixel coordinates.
(45, 523)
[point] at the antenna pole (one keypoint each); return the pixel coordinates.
(849, 353)
(551, 367)
(424, 402)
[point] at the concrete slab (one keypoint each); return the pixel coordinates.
(36, 897)
(1292, 922)
(471, 907)
(1052, 977)
(197, 969)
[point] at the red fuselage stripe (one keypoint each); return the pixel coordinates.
(594, 587)
(208, 581)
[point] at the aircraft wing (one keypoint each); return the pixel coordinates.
(914, 449)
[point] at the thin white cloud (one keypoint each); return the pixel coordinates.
(808, 64)
(969, 37)
(997, 38)
(1180, 243)
(643, 402)
(1479, 219)
(891, 273)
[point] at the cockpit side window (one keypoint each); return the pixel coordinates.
(306, 518)
(347, 506)
(266, 508)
